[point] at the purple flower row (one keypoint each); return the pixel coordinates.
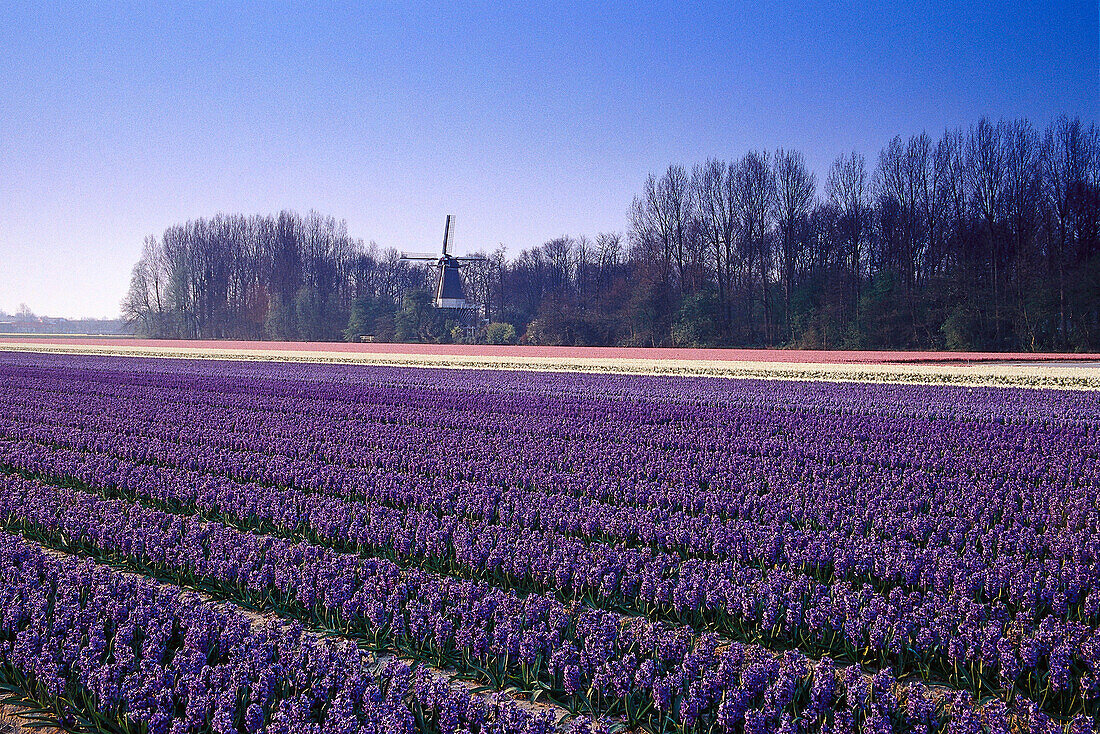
(904, 629)
(147, 654)
(1023, 579)
(1030, 565)
(674, 678)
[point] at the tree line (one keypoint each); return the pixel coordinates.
(985, 238)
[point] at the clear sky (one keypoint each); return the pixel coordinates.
(525, 121)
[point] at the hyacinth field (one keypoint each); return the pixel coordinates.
(204, 546)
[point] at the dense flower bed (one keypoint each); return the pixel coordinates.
(666, 553)
(108, 650)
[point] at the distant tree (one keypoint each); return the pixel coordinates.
(714, 187)
(371, 316)
(846, 188)
(697, 321)
(755, 207)
(794, 187)
(500, 333)
(419, 320)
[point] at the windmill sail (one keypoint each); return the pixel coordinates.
(448, 233)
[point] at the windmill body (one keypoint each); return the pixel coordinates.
(449, 290)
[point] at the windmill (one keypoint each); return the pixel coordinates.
(449, 292)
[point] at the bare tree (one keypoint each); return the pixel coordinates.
(1069, 156)
(755, 201)
(794, 188)
(985, 176)
(846, 188)
(653, 226)
(713, 186)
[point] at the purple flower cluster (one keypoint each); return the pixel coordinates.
(781, 601)
(470, 625)
(172, 662)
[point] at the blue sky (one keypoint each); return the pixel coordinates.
(526, 121)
